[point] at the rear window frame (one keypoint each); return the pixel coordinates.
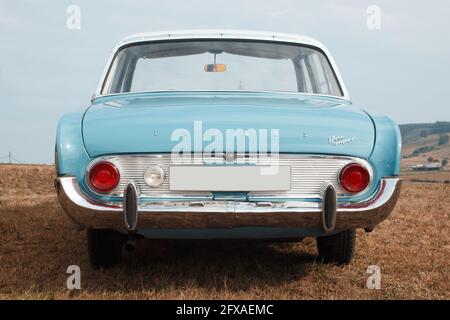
(137, 43)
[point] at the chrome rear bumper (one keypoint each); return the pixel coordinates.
(228, 214)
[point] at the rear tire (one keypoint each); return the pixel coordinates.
(338, 248)
(104, 247)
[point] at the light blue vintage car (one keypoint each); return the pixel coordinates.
(225, 134)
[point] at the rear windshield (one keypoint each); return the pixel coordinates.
(208, 65)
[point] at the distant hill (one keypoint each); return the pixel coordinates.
(415, 131)
(425, 142)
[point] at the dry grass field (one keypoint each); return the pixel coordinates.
(442, 176)
(38, 242)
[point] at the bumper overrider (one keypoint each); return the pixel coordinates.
(132, 215)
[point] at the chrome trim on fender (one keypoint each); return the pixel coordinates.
(226, 214)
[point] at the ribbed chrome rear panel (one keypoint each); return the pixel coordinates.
(309, 173)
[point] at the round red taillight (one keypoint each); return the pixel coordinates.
(354, 178)
(104, 177)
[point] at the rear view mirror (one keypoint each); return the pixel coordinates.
(217, 67)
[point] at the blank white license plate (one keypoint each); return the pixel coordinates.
(230, 178)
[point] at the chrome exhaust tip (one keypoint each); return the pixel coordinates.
(130, 246)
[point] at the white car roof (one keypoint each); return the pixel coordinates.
(220, 34)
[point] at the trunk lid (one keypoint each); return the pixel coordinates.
(145, 122)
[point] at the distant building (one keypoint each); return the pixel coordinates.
(432, 166)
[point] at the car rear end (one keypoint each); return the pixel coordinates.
(159, 163)
(315, 194)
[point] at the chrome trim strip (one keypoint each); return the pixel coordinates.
(124, 94)
(226, 214)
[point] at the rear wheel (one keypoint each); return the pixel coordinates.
(338, 248)
(104, 247)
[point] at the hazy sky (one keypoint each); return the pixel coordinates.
(47, 70)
